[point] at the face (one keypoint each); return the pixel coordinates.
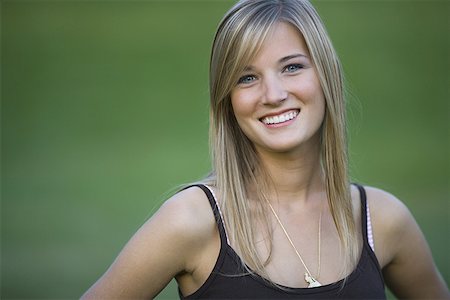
(278, 101)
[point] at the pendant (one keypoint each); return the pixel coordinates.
(312, 281)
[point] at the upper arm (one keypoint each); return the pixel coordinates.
(162, 248)
(402, 250)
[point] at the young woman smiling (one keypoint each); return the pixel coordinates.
(277, 218)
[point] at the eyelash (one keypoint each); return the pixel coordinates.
(250, 78)
(297, 67)
(244, 79)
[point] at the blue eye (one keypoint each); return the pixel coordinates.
(246, 79)
(293, 68)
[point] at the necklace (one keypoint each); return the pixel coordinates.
(312, 282)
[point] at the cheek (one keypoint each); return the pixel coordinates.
(311, 94)
(319, 99)
(310, 91)
(242, 103)
(318, 104)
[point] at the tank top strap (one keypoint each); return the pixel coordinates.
(216, 211)
(365, 217)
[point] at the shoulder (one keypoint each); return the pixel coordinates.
(171, 242)
(391, 220)
(386, 206)
(382, 204)
(187, 212)
(402, 250)
(387, 211)
(181, 226)
(192, 235)
(181, 230)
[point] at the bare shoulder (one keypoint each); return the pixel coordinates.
(387, 207)
(402, 250)
(380, 198)
(170, 243)
(390, 218)
(188, 212)
(388, 215)
(178, 230)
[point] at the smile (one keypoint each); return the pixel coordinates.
(281, 118)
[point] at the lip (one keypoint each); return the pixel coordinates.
(286, 117)
(280, 113)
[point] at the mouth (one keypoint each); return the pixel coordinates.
(281, 118)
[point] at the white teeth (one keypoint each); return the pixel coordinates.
(280, 119)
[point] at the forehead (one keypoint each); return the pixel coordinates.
(283, 40)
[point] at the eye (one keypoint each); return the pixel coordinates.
(293, 68)
(246, 79)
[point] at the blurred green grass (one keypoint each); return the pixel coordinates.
(105, 109)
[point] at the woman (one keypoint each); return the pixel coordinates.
(278, 217)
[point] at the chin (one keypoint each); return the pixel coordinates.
(280, 148)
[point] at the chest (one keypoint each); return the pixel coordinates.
(295, 250)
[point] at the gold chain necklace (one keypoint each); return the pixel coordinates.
(312, 282)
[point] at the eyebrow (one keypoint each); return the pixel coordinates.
(289, 57)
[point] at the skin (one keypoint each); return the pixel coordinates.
(181, 240)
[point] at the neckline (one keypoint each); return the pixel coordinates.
(305, 290)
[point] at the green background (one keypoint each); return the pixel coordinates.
(105, 110)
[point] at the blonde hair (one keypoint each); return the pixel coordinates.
(235, 163)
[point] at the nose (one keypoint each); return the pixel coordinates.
(274, 91)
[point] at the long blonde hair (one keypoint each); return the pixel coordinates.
(235, 163)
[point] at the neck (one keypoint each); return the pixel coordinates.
(294, 176)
